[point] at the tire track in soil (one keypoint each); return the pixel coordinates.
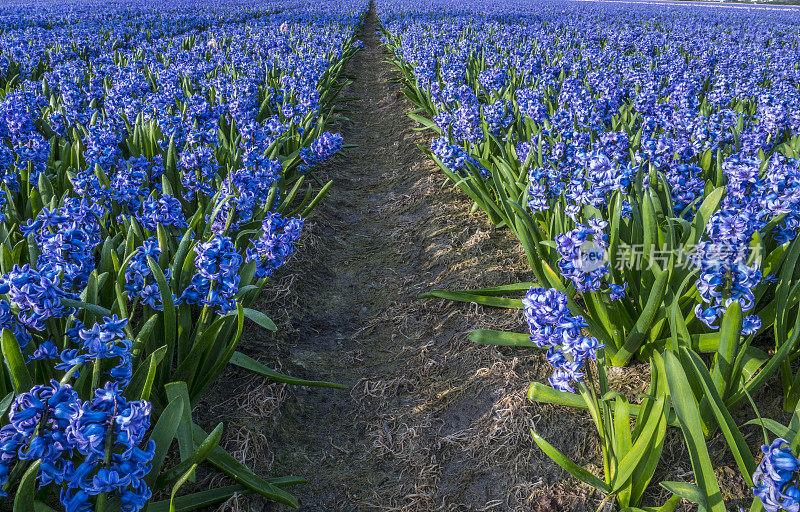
(431, 422)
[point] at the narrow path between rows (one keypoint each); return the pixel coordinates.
(431, 422)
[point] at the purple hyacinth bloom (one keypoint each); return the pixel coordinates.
(775, 478)
(553, 326)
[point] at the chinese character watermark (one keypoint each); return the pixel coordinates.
(685, 256)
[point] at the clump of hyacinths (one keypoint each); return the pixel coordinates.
(87, 440)
(79, 438)
(553, 327)
(776, 479)
(91, 450)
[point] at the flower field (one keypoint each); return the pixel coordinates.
(649, 168)
(160, 160)
(157, 168)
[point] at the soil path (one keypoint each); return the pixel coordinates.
(431, 421)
